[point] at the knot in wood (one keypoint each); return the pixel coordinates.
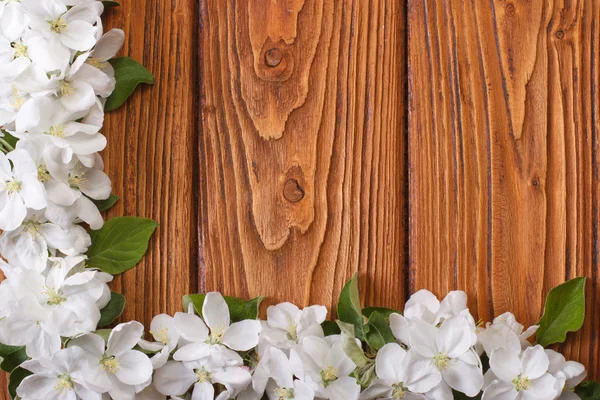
(273, 57)
(560, 34)
(292, 191)
(510, 8)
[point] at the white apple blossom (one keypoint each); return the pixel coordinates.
(163, 329)
(520, 376)
(568, 375)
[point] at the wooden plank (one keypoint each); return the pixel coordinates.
(503, 129)
(303, 149)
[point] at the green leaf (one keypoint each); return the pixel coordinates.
(113, 309)
(349, 310)
(588, 390)
(103, 333)
(12, 360)
(128, 75)
(350, 346)
(104, 205)
(120, 244)
(330, 328)
(385, 312)
(239, 309)
(8, 138)
(564, 312)
(110, 3)
(379, 333)
(15, 379)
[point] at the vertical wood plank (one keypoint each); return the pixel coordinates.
(503, 126)
(303, 149)
(152, 153)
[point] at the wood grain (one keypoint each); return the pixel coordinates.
(303, 149)
(503, 128)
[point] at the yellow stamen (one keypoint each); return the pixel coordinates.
(66, 88)
(58, 25)
(399, 391)
(110, 364)
(13, 186)
(521, 383)
(20, 50)
(284, 393)
(43, 174)
(58, 131)
(203, 376)
(441, 361)
(63, 383)
(162, 335)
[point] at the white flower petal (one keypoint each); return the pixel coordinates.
(215, 312)
(242, 336)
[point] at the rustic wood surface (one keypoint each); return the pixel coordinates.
(303, 149)
(503, 139)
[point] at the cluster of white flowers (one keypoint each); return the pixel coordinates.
(54, 81)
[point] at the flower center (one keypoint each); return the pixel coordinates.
(77, 181)
(97, 62)
(54, 297)
(43, 174)
(521, 383)
(216, 335)
(13, 186)
(58, 131)
(162, 335)
(31, 227)
(20, 49)
(329, 375)
(399, 391)
(66, 88)
(284, 393)
(16, 100)
(58, 25)
(441, 361)
(63, 383)
(203, 376)
(292, 329)
(110, 364)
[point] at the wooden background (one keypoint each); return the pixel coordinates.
(424, 143)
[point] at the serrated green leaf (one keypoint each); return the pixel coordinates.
(385, 312)
(239, 309)
(120, 244)
(349, 309)
(110, 3)
(564, 312)
(128, 75)
(379, 333)
(104, 205)
(330, 328)
(113, 309)
(588, 390)
(350, 346)
(15, 379)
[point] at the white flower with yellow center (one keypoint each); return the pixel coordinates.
(20, 189)
(287, 325)
(449, 349)
(116, 369)
(166, 336)
(224, 338)
(568, 374)
(520, 376)
(60, 377)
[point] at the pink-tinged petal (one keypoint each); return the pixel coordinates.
(243, 335)
(174, 379)
(454, 337)
(505, 364)
(215, 312)
(191, 327)
(500, 390)
(534, 362)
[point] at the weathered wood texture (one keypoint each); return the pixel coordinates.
(503, 139)
(303, 149)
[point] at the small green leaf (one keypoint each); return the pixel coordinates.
(15, 379)
(13, 359)
(330, 328)
(366, 374)
(104, 205)
(239, 309)
(113, 309)
(349, 309)
(350, 346)
(564, 312)
(120, 244)
(103, 333)
(110, 3)
(379, 333)
(8, 138)
(588, 390)
(385, 312)
(128, 75)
